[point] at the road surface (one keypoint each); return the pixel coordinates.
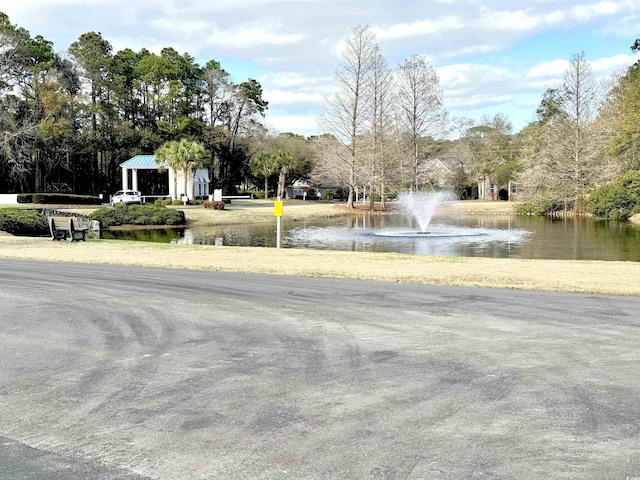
(129, 373)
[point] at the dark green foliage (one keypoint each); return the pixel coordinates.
(58, 198)
(21, 221)
(61, 138)
(542, 204)
(163, 235)
(618, 200)
(327, 195)
(253, 193)
(138, 215)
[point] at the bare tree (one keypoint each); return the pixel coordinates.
(421, 108)
(345, 116)
(382, 106)
(567, 155)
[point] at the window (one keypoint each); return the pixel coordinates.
(492, 188)
(513, 188)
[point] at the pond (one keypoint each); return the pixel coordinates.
(504, 236)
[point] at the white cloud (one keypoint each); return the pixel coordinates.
(622, 27)
(554, 68)
(471, 74)
(302, 124)
(284, 97)
(470, 51)
(246, 36)
(418, 28)
(517, 20)
(600, 9)
(292, 79)
(609, 64)
(478, 100)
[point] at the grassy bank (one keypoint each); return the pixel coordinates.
(616, 278)
(261, 211)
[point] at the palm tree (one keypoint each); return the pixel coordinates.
(285, 162)
(265, 164)
(184, 155)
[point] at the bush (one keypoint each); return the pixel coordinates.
(541, 204)
(254, 193)
(138, 215)
(618, 200)
(59, 198)
(22, 221)
(213, 205)
(327, 195)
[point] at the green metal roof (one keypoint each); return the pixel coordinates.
(141, 161)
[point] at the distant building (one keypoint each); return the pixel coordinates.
(488, 189)
(437, 172)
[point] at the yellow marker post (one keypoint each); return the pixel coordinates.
(277, 211)
(277, 208)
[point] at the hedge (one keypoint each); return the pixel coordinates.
(22, 221)
(146, 214)
(617, 200)
(59, 198)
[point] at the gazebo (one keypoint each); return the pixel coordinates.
(197, 184)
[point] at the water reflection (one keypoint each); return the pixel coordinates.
(504, 236)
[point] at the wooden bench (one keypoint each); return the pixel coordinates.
(62, 228)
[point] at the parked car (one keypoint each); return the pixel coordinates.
(126, 196)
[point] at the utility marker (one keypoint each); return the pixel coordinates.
(277, 211)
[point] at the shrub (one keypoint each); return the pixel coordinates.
(21, 221)
(213, 205)
(253, 193)
(176, 202)
(327, 195)
(541, 204)
(138, 215)
(617, 200)
(59, 198)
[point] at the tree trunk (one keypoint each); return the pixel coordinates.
(281, 180)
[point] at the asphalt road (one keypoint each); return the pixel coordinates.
(131, 373)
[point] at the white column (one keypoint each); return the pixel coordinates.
(134, 179)
(189, 192)
(172, 184)
(125, 178)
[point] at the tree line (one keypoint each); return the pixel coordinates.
(388, 131)
(67, 120)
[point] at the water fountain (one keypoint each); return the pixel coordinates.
(421, 206)
(439, 228)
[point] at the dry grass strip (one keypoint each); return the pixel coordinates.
(596, 277)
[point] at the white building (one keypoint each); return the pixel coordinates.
(197, 183)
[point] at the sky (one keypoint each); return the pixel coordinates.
(492, 56)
